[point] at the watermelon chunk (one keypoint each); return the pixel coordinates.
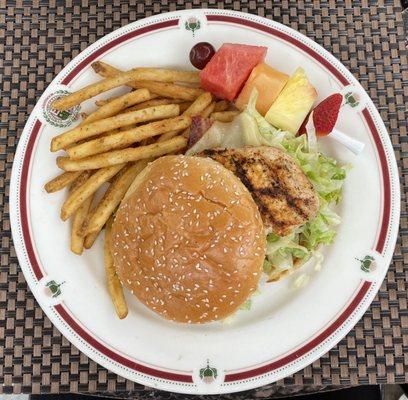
(229, 68)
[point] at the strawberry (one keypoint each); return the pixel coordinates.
(325, 115)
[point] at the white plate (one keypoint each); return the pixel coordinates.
(286, 329)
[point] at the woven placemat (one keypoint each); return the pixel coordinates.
(37, 38)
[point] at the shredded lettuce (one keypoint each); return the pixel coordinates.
(318, 260)
(281, 253)
(246, 305)
(267, 266)
(311, 135)
(327, 177)
(301, 281)
(256, 129)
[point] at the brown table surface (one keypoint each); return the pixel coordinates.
(37, 38)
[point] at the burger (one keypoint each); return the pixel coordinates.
(188, 240)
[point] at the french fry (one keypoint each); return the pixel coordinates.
(224, 116)
(169, 90)
(79, 217)
(76, 240)
(122, 78)
(80, 180)
(126, 128)
(113, 196)
(196, 85)
(61, 181)
(203, 101)
(90, 240)
(208, 110)
(63, 140)
(184, 106)
(122, 156)
(92, 184)
(114, 285)
(118, 104)
(221, 105)
(102, 102)
(149, 74)
(123, 139)
(155, 102)
(108, 71)
(198, 106)
(98, 136)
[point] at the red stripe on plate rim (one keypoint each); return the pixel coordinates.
(60, 309)
(308, 346)
(180, 377)
(386, 182)
(23, 200)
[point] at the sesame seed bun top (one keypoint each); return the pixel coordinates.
(188, 240)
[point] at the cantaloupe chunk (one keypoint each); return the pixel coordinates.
(268, 81)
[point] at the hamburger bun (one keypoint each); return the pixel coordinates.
(188, 240)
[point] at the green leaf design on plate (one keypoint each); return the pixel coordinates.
(192, 24)
(208, 374)
(352, 99)
(54, 287)
(367, 264)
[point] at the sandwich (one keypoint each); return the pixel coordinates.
(196, 232)
(188, 240)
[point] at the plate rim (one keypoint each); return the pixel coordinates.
(367, 290)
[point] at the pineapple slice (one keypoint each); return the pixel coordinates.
(293, 104)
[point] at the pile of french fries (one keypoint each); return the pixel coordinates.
(114, 144)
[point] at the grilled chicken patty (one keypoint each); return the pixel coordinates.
(285, 197)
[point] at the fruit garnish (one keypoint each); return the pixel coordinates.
(326, 113)
(293, 104)
(201, 54)
(322, 121)
(268, 81)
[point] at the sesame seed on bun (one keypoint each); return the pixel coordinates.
(188, 240)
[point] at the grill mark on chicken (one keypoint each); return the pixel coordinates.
(281, 190)
(285, 197)
(263, 208)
